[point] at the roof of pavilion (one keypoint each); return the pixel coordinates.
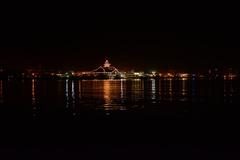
(106, 68)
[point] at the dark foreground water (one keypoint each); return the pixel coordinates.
(197, 119)
(76, 96)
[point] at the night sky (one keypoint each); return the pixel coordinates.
(129, 41)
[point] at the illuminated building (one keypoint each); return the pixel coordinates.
(133, 74)
(106, 68)
(107, 71)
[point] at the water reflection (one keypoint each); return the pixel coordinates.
(123, 94)
(80, 89)
(1, 91)
(67, 93)
(160, 90)
(106, 94)
(34, 100)
(170, 89)
(122, 91)
(228, 91)
(73, 98)
(135, 89)
(115, 94)
(33, 93)
(153, 89)
(184, 89)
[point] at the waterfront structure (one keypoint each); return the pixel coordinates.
(105, 71)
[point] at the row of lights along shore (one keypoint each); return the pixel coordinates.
(107, 71)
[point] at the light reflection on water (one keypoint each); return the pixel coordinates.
(67, 93)
(229, 91)
(153, 88)
(106, 94)
(73, 98)
(117, 94)
(170, 90)
(1, 91)
(34, 97)
(184, 89)
(33, 93)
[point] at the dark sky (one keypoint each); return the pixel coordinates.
(130, 41)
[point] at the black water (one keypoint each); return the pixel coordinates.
(139, 118)
(76, 96)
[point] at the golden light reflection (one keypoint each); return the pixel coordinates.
(1, 91)
(184, 89)
(170, 89)
(106, 92)
(113, 94)
(122, 89)
(33, 93)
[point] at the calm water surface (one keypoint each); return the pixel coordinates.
(109, 95)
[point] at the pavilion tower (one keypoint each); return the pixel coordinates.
(106, 64)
